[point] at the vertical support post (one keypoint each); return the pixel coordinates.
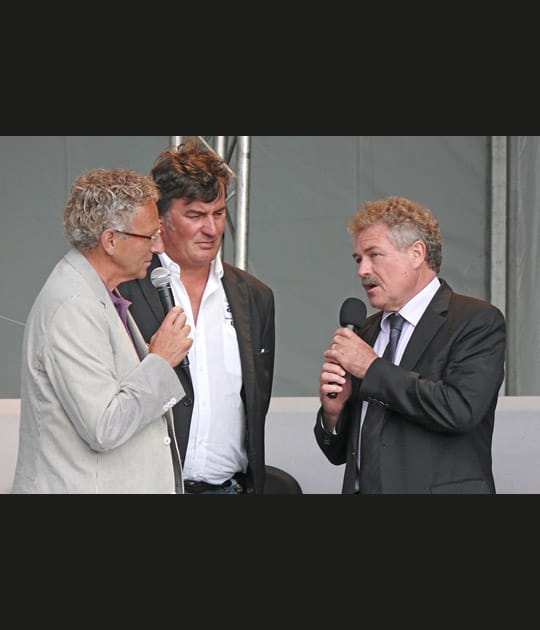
(220, 145)
(499, 221)
(175, 141)
(242, 202)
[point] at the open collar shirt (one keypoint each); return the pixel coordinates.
(216, 447)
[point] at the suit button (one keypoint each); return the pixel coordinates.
(187, 402)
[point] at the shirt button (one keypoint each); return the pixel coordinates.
(167, 441)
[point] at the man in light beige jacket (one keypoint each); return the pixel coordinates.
(95, 398)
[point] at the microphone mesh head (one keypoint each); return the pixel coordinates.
(160, 277)
(353, 311)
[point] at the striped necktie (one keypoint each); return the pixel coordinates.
(370, 473)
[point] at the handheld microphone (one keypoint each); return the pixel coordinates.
(352, 315)
(161, 280)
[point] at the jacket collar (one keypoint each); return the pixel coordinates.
(433, 318)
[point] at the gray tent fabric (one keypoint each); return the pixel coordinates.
(303, 190)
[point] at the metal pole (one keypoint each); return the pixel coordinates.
(498, 220)
(221, 142)
(175, 141)
(499, 214)
(242, 202)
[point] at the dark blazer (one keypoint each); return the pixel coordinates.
(439, 402)
(253, 311)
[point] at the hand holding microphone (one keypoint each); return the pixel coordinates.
(352, 315)
(174, 322)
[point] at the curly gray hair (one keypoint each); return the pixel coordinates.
(408, 221)
(102, 199)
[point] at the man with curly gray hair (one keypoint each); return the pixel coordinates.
(408, 398)
(95, 398)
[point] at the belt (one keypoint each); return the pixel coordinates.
(195, 487)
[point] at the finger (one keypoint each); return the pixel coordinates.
(333, 378)
(180, 318)
(186, 331)
(333, 368)
(171, 316)
(331, 356)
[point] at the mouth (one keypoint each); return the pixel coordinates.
(207, 244)
(369, 287)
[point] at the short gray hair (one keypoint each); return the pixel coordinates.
(102, 199)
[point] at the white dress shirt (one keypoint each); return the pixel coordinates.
(216, 446)
(411, 313)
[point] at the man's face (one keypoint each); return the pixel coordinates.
(389, 276)
(193, 231)
(137, 251)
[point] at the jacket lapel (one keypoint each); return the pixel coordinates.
(427, 327)
(238, 298)
(372, 328)
(150, 292)
(138, 340)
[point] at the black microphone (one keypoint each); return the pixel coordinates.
(352, 315)
(161, 280)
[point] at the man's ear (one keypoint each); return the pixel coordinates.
(108, 240)
(419, 253)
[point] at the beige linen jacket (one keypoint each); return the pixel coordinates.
(95, 405)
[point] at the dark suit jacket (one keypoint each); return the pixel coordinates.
(439, 402)
(253, 311)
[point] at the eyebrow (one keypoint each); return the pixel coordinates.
(209, 212)
(368, 250)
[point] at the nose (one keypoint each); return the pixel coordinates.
(157, 246)
(364, 267)
(209, 225)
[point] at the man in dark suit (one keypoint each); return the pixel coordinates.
(220, 422)
(422, 421)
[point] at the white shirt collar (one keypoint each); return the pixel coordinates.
(216, 266)
(415, 307)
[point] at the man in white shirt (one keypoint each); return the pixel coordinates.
(220, 421)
